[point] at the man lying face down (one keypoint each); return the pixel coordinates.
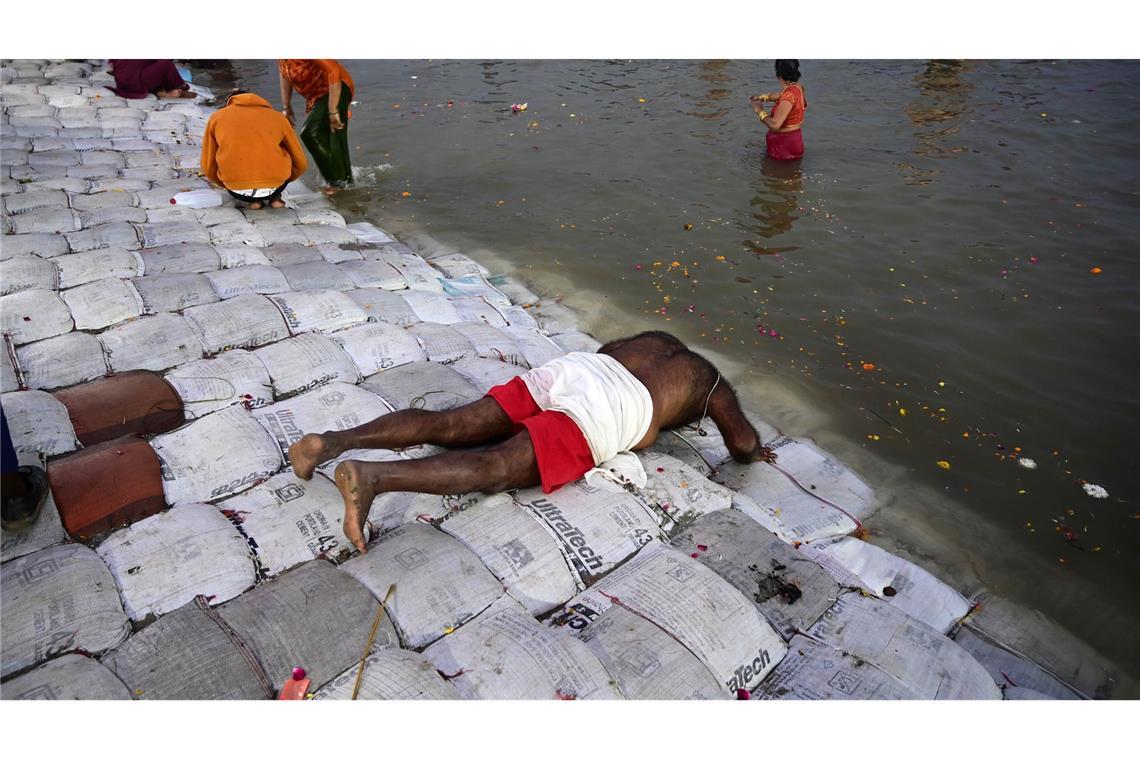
(549, 426)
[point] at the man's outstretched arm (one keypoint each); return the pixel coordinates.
(741, 438)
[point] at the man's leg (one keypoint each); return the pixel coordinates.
(482, 421)
(511, 464)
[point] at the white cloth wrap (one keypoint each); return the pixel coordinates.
(608, 404)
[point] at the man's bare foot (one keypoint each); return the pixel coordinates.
(256, 205)
(330, 190)
(308, 452)
(358, 496)
(276, 203)
(765, 454)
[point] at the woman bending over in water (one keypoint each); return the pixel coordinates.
(785, 122)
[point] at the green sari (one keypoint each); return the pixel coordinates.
(329, 149)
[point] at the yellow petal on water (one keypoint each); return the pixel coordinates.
(902, 412)
(943, 464)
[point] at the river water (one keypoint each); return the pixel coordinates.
(945, 287)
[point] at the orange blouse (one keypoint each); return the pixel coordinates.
(312, 77)
(794, 94)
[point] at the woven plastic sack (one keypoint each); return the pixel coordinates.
(47, 530)
(454, 265)
(171, 233)
(318, 310)
(195, 468)
(287, 254)
(441, 584)
(102, 303)
(180, 257)
(505, 654)
(235, 377)
(62, 361)
(240, 256)
(536, 348)
(70, 676)
(166, 560)
(926, 662)
(32, 315)
(376, 347)
(432, 307)
(45, 245)
(288, 521)
(38, 423)
(373, 274)
(53, 220)
(317, 275)
(422, 385)
(33, 200)
(165, 293)
(315, 617)
(235, 233)
(81, 268)
(484, 374)
(441, 343)
(58, 600)
(190, 653)
(816, 671)
(1010, 670)
(306, 362)
(154, 343)
(27, 272)
(391, 674)
(491, 342)
(242, 322)
(119, 235)
(335, 406)
(416, 272)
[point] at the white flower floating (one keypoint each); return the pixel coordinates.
(1027, 463)
(1095, 491)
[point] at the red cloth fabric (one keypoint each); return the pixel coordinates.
(560, 449)
(794, 94)
(786, 146)
(136, 77)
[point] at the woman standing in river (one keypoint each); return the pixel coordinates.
(785, 122)
(327, 89)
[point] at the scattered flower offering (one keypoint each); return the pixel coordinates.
(1095, 491)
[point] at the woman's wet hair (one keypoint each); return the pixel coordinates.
(788, 70)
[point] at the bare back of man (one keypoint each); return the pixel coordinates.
(494, 455)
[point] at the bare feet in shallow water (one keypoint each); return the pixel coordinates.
(276, 203)
(308, 452)
(358, 495)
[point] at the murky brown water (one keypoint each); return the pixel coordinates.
(918, 291)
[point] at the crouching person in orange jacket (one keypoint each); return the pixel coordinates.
(251, 150)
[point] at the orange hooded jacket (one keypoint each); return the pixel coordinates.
(248, 144)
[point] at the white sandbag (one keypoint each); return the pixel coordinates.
(1016, 693)
(305, 362)
(536, 348)
(506, 654)
(53, 158)
(416, 272)
(677, 493)
(280, 232)
(484, 374)
(235, 377)
(441, 343)
(189, 654)
(491, 342)
(27, 272)
(477, 310)
(517, 549)
(645, 661)
(676, 447)
(310, 216)
(335, 253)
(155, 343)
(151, 173)
(288, 521)
(229, 283)
(1033, 636)
(373, 274)
(47, 529)
(102, 303)
(390, 674)
(212, 217)
(33, 200)
(377, 346)
(287, 254)
(423, 385)
(165, 293)
(195, 468)
(70, 676)
(201, 198)
(164, 561)
(816, 671)
(926, 662)
(171, 233)
(431, 307)
(596, 529)
(473, 286)
(179, 257)
(96, 201)
(271, 217)
(693, 604)
(38, 422)
(318, 310)
(90, 156)
(574, 340)
(325, 234)
(314, 617)
(61, 361)
(316, 275)
(58, 600)
(383, 306)
(440, 583)
(235, 233)
(366, 232)
(794, 516)
(241, 256)
(120, 235)
(81, 268)
(242, 322)
(119, 185)
(1010, 671)
(9, 381)
(791, 591)
(46, 245)
(904, 585)
(336, 406)
(516, 291)
(53, 220)
(455, 265)
(553, 317)
(112, 216)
